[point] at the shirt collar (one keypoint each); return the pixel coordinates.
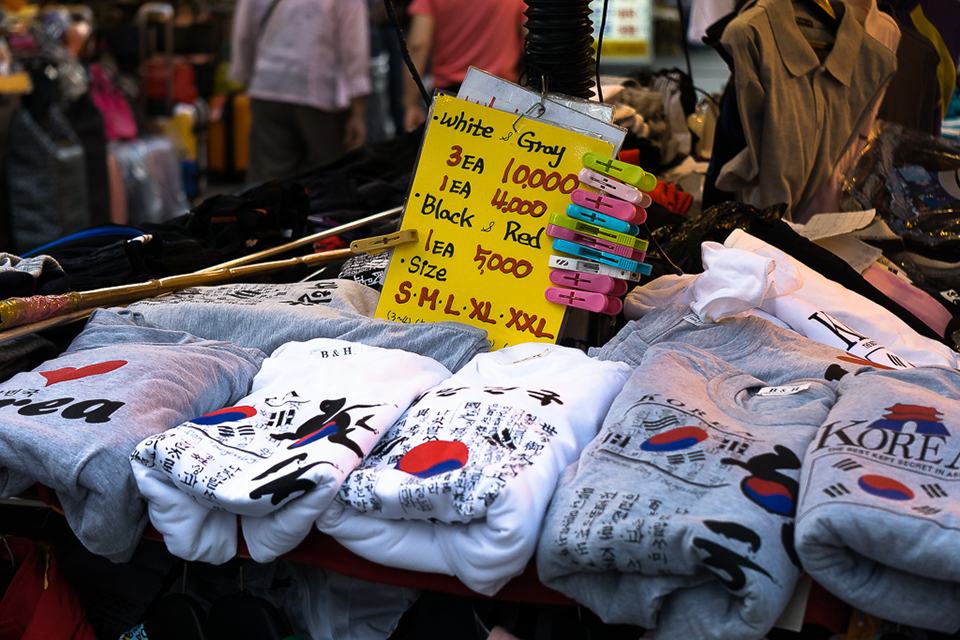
(797, 55)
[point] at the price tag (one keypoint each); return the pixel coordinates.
(480, 201)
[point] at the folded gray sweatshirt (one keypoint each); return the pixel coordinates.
(71, 423)
(266, 316)
(878, 521)
(679, 514)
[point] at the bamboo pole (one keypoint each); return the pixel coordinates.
(21, 316)
(307, 240)
(25, 313)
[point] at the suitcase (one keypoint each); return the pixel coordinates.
(170, 95)
(165, 78)
(228, 136)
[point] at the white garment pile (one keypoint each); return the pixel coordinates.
(747, 275)
(277, 458)
(460, 483)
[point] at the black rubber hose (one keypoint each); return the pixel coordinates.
(558, 47)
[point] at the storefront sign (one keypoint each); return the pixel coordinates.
(485, 185)
(628, 32)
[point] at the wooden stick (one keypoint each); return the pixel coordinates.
(77, 306)
(307, 240)
(14, 310)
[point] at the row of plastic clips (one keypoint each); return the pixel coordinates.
(601, 227)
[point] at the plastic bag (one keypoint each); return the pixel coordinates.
(118, 120)
(912, 179)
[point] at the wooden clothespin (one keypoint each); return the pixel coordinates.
(379, 244)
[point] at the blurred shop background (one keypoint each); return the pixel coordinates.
(122, 112)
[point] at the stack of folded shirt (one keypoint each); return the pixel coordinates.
(278, 457)
(460, 483)
(879, 519)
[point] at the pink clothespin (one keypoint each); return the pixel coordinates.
(620, 209)
(609, 185)
(589, 300)
(589, 282)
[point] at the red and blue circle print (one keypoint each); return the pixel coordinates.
(772, 496)
(884, 487)
(675, 439)
(433, 458)
(225, 415)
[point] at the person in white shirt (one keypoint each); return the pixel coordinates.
(306, 66)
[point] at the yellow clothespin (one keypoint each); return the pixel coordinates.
(622, 171)
(379, 244)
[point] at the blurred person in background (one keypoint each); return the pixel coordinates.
(457, 34)
(306, 66)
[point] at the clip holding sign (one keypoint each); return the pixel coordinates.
(610, 185)
(602, 220)
(589, 282)
(379, 244)
(589, 300)
(605, 204)
(539, 106)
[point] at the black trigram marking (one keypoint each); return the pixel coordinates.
(281, 418)
(934, 490)
(679, 458)
(927, 511)
(836, 490)
(847, 464)
(734, 446)
(662, 423)
(616, 439)
(226, 432)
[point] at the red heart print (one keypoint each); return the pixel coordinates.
(72, 373)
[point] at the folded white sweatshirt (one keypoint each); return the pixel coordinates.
(460, 483)
(862, 315)
(278, 457)
(769, 283)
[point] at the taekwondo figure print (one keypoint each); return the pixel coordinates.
(316, 408)
(208, 452)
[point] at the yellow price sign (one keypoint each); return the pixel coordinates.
(485, 185)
